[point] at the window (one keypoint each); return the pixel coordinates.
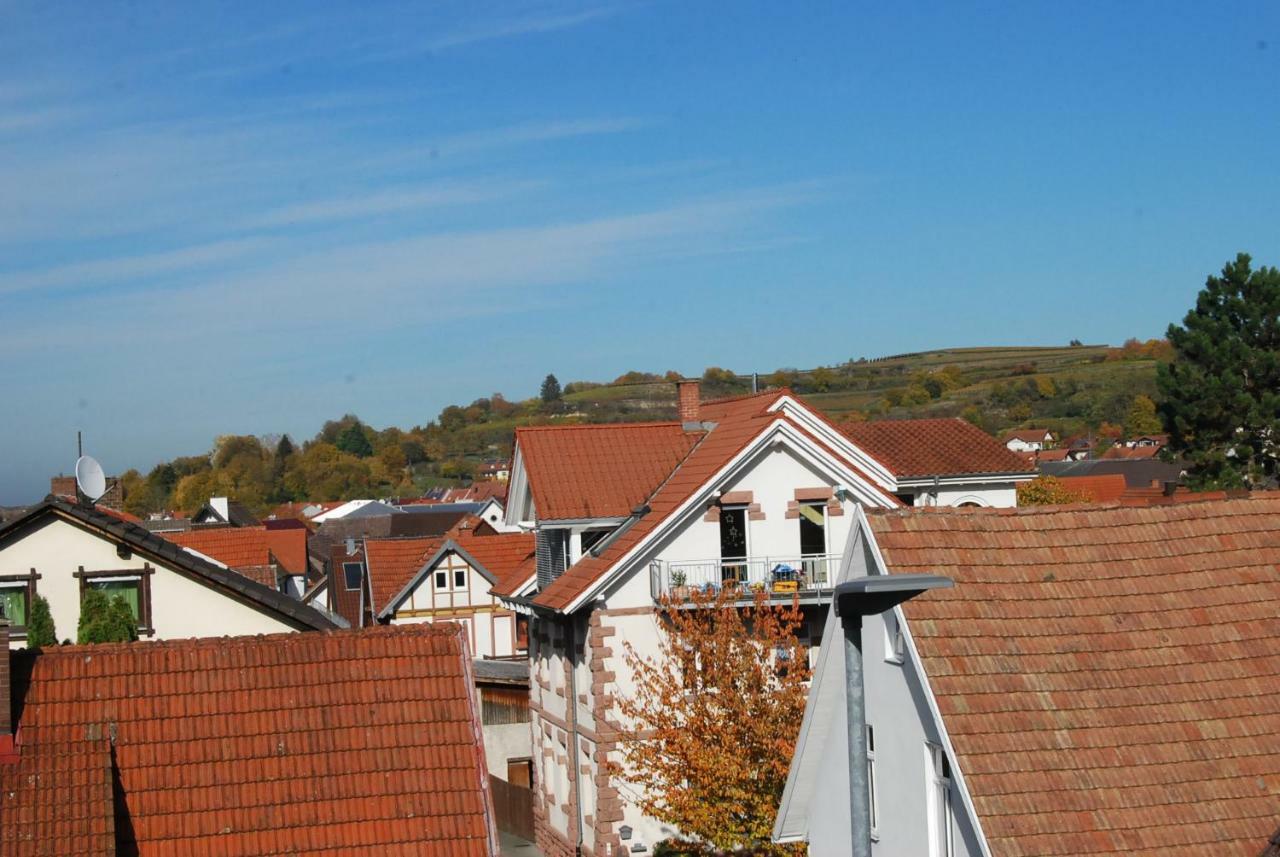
(895, 642)
(442, 579)
(351, 574)
(459, 578)
(733, 543)
(813, 541)
(591, 538)
(132, 585)
(871, 780)
(941, 842)
(522, 632)
(15, 603)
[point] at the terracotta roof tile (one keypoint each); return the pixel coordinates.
(56, 801)
(393, 563)
(1109, 677)
(599, 471)
(933, 447)
(245, 547)
(319, 743)
(1103, 488)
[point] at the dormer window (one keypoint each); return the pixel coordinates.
(351, 574)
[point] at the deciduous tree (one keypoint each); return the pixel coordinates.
(1049, 491)
(713, 720)
(1220, 396)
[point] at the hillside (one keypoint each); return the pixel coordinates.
(1068, 389)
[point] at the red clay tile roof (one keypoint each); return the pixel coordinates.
(599, 471)
(248, 547)
(1052, 455)
(351, 742)
(56, 800)
(1104, 488)
(738, 421)
(392, 564)
(1030, 435)
(1109, 677)
(934, 447)
(504, 555)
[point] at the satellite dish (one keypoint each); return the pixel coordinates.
(90, 479)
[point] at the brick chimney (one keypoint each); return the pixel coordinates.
(690, 399)
(6, 704)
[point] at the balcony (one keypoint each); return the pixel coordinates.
(810, 577)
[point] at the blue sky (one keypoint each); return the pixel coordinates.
(251, 218)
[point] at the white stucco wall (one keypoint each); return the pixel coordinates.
(1000, 495)
(180, 606)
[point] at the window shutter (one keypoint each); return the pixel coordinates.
(551, 555)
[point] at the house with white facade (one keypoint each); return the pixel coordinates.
(755, 492)
(1029, 440)
(62, 548)
(448, 579)
(1099, 680)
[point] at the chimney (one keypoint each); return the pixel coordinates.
(6, 706)
(690, 398)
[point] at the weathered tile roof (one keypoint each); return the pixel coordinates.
(934, 447)
(348, 742)
(1109, 677)
(55, 800)
(1103, 488)
(392, 563)
(506, 556)
(240, 547)
(599, 471)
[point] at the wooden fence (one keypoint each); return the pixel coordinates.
(513, 807)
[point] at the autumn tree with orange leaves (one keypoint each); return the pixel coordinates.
(714, 717)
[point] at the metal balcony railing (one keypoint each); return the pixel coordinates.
(776, 575)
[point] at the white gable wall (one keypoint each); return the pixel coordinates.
(490, 628)
(180, 606)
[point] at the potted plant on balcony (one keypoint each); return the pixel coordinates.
(679, 591)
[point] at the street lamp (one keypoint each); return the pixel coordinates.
(868, 596)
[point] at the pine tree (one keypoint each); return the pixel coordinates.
(284, 448)
(105, 620)
(40, 628)
(550, 389)
(1221, 393)
(355, 441)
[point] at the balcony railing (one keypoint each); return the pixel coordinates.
(775, 575)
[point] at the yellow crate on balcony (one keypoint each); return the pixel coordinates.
(786, 586)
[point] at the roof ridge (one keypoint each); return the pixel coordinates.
(631, 424)
(778, 391)
(424, 629)
(1059, 508)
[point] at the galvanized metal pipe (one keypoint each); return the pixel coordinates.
(856, 717)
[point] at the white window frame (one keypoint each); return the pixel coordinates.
(359, 582)
(435, 579)
(941, 810)
(871, 784)
(895, 639)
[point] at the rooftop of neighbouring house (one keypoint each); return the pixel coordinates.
(247, 547)
(599, 471)
(1031, 435)
(394, 563)
(317, 743)
(1108, 676)
(933, 447)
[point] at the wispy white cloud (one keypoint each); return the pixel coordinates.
(519, 26)
(538, 132)
(382, 203)
(99, 272)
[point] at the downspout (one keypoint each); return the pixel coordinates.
(571, 719)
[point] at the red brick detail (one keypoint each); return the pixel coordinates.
(737, 498)
(689, 394)
(812, 494)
